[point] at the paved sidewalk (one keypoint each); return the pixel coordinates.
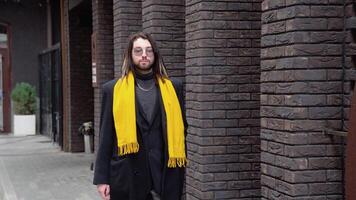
(33, 168)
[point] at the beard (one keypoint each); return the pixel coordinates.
(144, 68)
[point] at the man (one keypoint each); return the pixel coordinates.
(141, 153)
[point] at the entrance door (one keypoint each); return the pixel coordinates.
(4, 79)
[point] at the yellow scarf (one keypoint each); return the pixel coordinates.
(124, 113)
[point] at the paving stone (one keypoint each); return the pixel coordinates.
(33, 168)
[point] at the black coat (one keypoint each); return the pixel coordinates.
(129, 176)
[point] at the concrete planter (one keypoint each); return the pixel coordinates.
(24, 125)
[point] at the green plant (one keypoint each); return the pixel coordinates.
(86, 128)
(24, 98)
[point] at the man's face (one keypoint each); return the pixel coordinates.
(142, 55)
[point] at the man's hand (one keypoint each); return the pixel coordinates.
(104, 191)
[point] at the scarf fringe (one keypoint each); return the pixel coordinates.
(128, 148)
(173, 162)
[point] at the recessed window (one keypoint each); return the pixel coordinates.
(3, 36)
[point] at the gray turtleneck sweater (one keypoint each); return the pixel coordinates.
(146, 91)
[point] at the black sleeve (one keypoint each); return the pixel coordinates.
(106, 139)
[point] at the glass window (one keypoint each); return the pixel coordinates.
(3, 36)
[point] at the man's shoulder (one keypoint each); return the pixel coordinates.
(109, 85)
(177, 82)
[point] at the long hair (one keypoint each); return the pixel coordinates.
(158, 66)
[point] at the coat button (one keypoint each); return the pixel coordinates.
(136, 173)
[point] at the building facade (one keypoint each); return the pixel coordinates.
(267, 87)
(304, 98)
(19, 56)
(268, 84)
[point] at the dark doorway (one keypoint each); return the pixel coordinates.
(50, 80)
(51, 94)
(5, 79)
(80, 71)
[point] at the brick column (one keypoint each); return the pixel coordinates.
(127, 20)
(65, 71)
(164, 20)
(222, 99)
(103, 27)
(81, 90)
(300, 97)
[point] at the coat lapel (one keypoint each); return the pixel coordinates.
(164, 133)
(140, 119)
(155, 108)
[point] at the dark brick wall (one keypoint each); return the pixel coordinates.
(103, 26)
(280, 82)
(222, 99)
(350, 65)
(350, 56)
(127, 20)
(164, 20)
(65, 72)
(81, 90)
(300, 97)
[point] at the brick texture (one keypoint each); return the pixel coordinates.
(263, 79)
(300, 97)
(127, 20)
(81, 90)
(164, 20)
(103, 27)
(222, 99)
(350, 53)
(65, 71)
(350, 14)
